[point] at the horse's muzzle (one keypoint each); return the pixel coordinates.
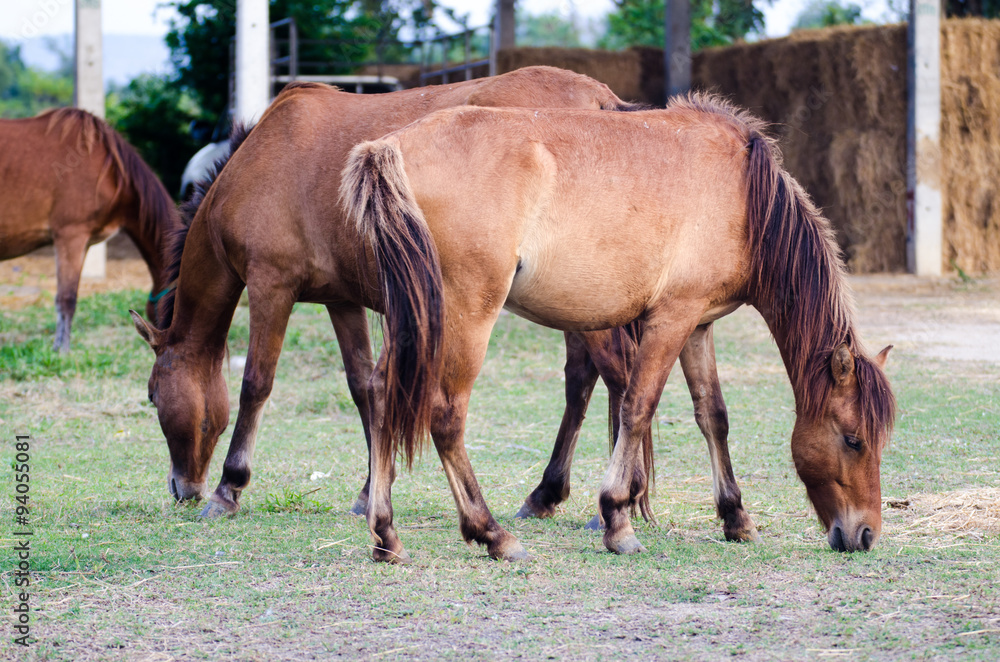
(184, 490)
(861, 539)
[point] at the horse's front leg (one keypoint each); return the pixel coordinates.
(71, 249)
(269, 312)
(581, 376)
(698, 361)
(626, 480)
(351, 324)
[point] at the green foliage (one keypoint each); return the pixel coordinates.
(24, 91)
(640, 23)
(826, 13)
(963, 8)
(549, 29)
(155, 115)
(292, 501)
(199, 40)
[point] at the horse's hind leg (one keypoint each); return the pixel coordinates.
(698, 361)
(269, 312)
(581, 376)
(351, 324)
(70, 253)
(463, 356)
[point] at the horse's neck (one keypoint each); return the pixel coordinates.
(206, 296)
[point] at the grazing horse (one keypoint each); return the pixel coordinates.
(68, 179)
(579, 221)
(271, 222)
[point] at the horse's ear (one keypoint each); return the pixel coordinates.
(150, 334)
(842, 364)
(882, 357)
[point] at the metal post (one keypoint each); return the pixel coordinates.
(293, 50)
(677, 48)
(503, 31)
(468, 52)
(923, 137)
(252, 59)
(89, 92)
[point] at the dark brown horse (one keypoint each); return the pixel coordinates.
(271, 222)
(582, 220)
(68, 179)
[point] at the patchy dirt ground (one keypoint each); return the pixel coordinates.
(939, 318)
(936, 317)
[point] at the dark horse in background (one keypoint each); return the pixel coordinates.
(583, 220)
(68, 179)
(271, 222)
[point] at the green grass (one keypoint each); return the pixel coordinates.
(121, 572)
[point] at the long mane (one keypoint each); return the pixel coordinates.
(797, 278)
(157, 213)
(165, 307)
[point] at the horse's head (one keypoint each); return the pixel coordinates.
(192, 403)
(837, 454)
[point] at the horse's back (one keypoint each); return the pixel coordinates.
(602, 211)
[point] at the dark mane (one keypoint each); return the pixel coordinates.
(157, 214)
(797, 278)
(627, 106)
(165, 307)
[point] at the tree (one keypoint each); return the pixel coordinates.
(155, 116)
(25, 91)
(825, 13)
(713, 23)
(199, 40)
(548, 29)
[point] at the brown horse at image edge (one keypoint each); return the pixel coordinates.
(68, 179)
(271, 221)
(582, 220)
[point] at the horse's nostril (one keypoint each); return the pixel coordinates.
(867, 538)
(173, 488)
(837, 539)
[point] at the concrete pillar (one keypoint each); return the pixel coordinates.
(503, 31)
(923, 136)
(677, 47)
(89, 95)
(253, 65)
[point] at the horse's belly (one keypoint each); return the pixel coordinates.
(574, 301)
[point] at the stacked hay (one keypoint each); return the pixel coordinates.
(837, 102)
(619, 70)
(970, 143)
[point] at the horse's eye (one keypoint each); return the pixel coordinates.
(852, 442)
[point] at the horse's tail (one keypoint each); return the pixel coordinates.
(376, 195)
(625, 342)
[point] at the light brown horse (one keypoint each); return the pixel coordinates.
(68, 179)
(579, 221)
(271, 222)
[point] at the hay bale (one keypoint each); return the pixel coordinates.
(836, 99)
(970, 142)
(619, 70)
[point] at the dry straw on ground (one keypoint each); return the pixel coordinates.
(973, 510)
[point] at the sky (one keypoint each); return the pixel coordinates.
(24, 20)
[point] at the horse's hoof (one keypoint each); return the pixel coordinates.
(627, 545)
(382, 555)
(528, 511)
(595, 524)
(360, 507)
(511, 553)
(217, 507)
(743, 535)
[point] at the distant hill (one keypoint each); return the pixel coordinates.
(125, 55)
